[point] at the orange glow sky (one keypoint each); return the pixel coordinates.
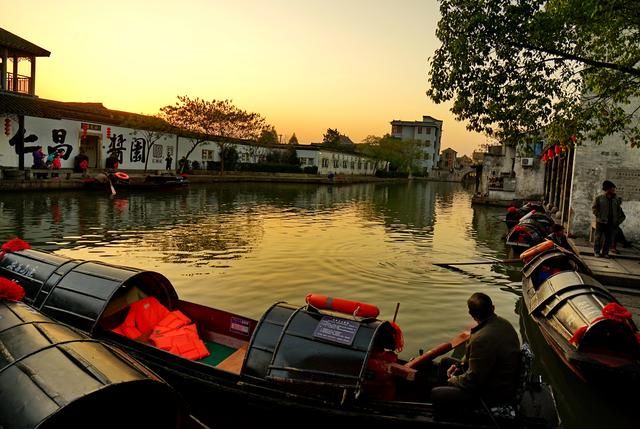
(306, 65)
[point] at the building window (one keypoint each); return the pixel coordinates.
(353, 165)
(310, 161)
(244, 157)
(427, 143)
(325, 162)
(396, 129)
(428, 130)
(336, 163)
(344, 164)
(419, 130)
(359, 165)
(207, 155)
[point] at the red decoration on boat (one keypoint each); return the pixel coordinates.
(398, 338)
(14, 245)
(615, 311)
(577, 335)
(10, 290)
(612, 311)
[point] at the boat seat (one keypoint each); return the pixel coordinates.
(233, 363)
(511, 410)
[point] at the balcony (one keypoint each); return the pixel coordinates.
(21, 84)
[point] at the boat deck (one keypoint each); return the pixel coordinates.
(620, 273)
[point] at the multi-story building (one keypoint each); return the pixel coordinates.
(448, 159)
(426, 133)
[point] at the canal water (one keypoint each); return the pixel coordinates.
(242, 247)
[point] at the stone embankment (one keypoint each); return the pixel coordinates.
(68, 180)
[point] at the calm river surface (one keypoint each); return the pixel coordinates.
(242, 247)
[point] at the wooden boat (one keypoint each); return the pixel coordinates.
(120, 181)
(52, 376)
(579, 318)
(531, 229)
(297, 363)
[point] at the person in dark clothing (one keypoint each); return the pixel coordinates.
(112, 162)
(168, 160)
(558, 236)
(608, 214)
(78, 162)
(38, 158)
(491, 365)
(512, 217)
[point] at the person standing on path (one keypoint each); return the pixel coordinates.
(169, 160)
(608, 213)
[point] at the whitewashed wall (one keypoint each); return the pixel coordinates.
(130, 145)
(612, 160)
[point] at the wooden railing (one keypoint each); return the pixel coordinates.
(23, 84)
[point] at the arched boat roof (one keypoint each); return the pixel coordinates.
(77, 292)
(554, 255)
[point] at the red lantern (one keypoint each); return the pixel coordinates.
(558, 150)
(108, 132)
(84, 131)
(7, 126)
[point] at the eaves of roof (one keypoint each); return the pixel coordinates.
(18, 45)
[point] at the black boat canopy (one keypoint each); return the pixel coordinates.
(555, 257)
(77, 292)
(301, 345)
(52, 376)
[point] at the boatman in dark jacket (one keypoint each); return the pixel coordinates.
(490, 368)
(608, 214)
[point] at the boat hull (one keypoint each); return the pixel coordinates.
(298, 363)
(564, 302)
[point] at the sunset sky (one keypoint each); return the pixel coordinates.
(305, 65)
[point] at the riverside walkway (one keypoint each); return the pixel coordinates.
(70, 181)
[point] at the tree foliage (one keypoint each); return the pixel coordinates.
(570, 67)
(268, 136)
(401, 154)
(293, 139)
(214, 118)
(331, 137)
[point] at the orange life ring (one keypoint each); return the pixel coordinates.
(538, 248)
(340, 305)
(120, 175)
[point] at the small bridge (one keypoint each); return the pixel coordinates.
(453, 174)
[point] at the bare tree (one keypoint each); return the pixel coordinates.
(214, 118)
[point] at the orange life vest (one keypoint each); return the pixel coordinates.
(143, 316)
(183, 341)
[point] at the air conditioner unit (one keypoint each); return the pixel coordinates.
(526, 162)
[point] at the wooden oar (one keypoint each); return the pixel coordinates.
(438, 350)
(113, 190)
(493, 261)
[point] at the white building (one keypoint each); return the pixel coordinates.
(427, 133)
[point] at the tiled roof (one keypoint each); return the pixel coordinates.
(20, 46)
(92, 112)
